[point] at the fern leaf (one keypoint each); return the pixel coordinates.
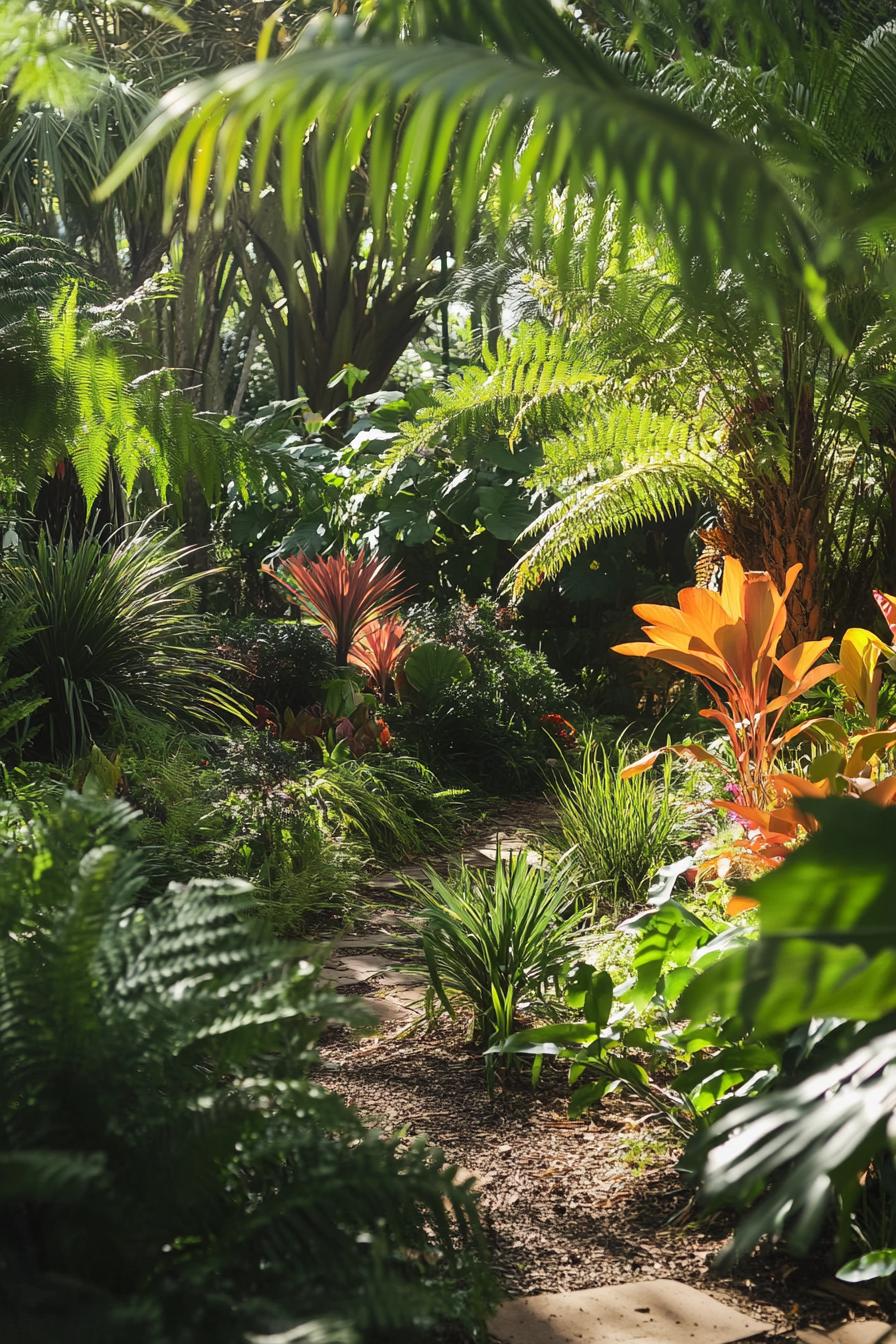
(643, 492)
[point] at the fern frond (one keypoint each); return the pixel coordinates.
(534, 380)
(643, 492)
(630, 433)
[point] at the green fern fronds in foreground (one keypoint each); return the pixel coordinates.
(168, 1172)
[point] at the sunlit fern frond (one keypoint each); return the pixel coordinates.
(610, 441)
(67, 390)
(534, 380)
(33, 270)
(642, 466)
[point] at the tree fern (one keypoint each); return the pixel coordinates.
(534, 379)
(647, 491)
(169, 1174)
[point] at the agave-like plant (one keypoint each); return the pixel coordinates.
(344, 596)
(729, 642)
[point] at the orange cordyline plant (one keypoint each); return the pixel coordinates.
(887, 605)
(729, 641)
(344, 596)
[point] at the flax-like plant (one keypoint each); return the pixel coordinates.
(344, 596)
(729, 641)
(113, 627)
(618, 830)
(378, 650)
(496, 939)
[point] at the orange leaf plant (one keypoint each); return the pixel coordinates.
(378, 651)
(729, 641)
(344, 596)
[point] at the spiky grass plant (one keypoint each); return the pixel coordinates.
(113, 628)
(496, 939)
(394, 805)
(168, 1170)
(618, 831)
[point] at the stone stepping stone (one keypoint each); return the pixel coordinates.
(388, 1012)
(352, 971)
(360, 968)
(392, 881)
(654, 1311)
(360, 942)
(337, 978)
(402, 980)
(485, 856)
(856, 1332)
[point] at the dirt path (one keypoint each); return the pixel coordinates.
(568, 1205)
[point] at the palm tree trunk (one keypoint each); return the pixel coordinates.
(785, 519)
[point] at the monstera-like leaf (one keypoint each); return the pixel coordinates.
(432, 667)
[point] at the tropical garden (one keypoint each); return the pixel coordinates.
(447, 665)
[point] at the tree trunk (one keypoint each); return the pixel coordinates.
(787, 512)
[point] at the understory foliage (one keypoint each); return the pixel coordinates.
(496, 939)
(156, 1048)
(269, 811)
(486, 725)
(819, 984)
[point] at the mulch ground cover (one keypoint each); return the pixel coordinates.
(566, 1204)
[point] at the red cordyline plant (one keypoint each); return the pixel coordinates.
(344, 596)
(729, 642)
(378, 650)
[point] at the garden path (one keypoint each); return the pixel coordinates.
(591, 1231)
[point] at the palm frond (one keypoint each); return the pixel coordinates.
(538, 107)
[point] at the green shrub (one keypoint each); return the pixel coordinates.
(168, 1173)
(488, 726)
(497, 939)
(242, 807)
(619, 831)
(393, 804)
(811, 1150)
(281, 664)
(17, 703)
(113, 627)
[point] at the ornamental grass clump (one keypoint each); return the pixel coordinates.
(496, 940)
(618, 830)
(113, 628)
